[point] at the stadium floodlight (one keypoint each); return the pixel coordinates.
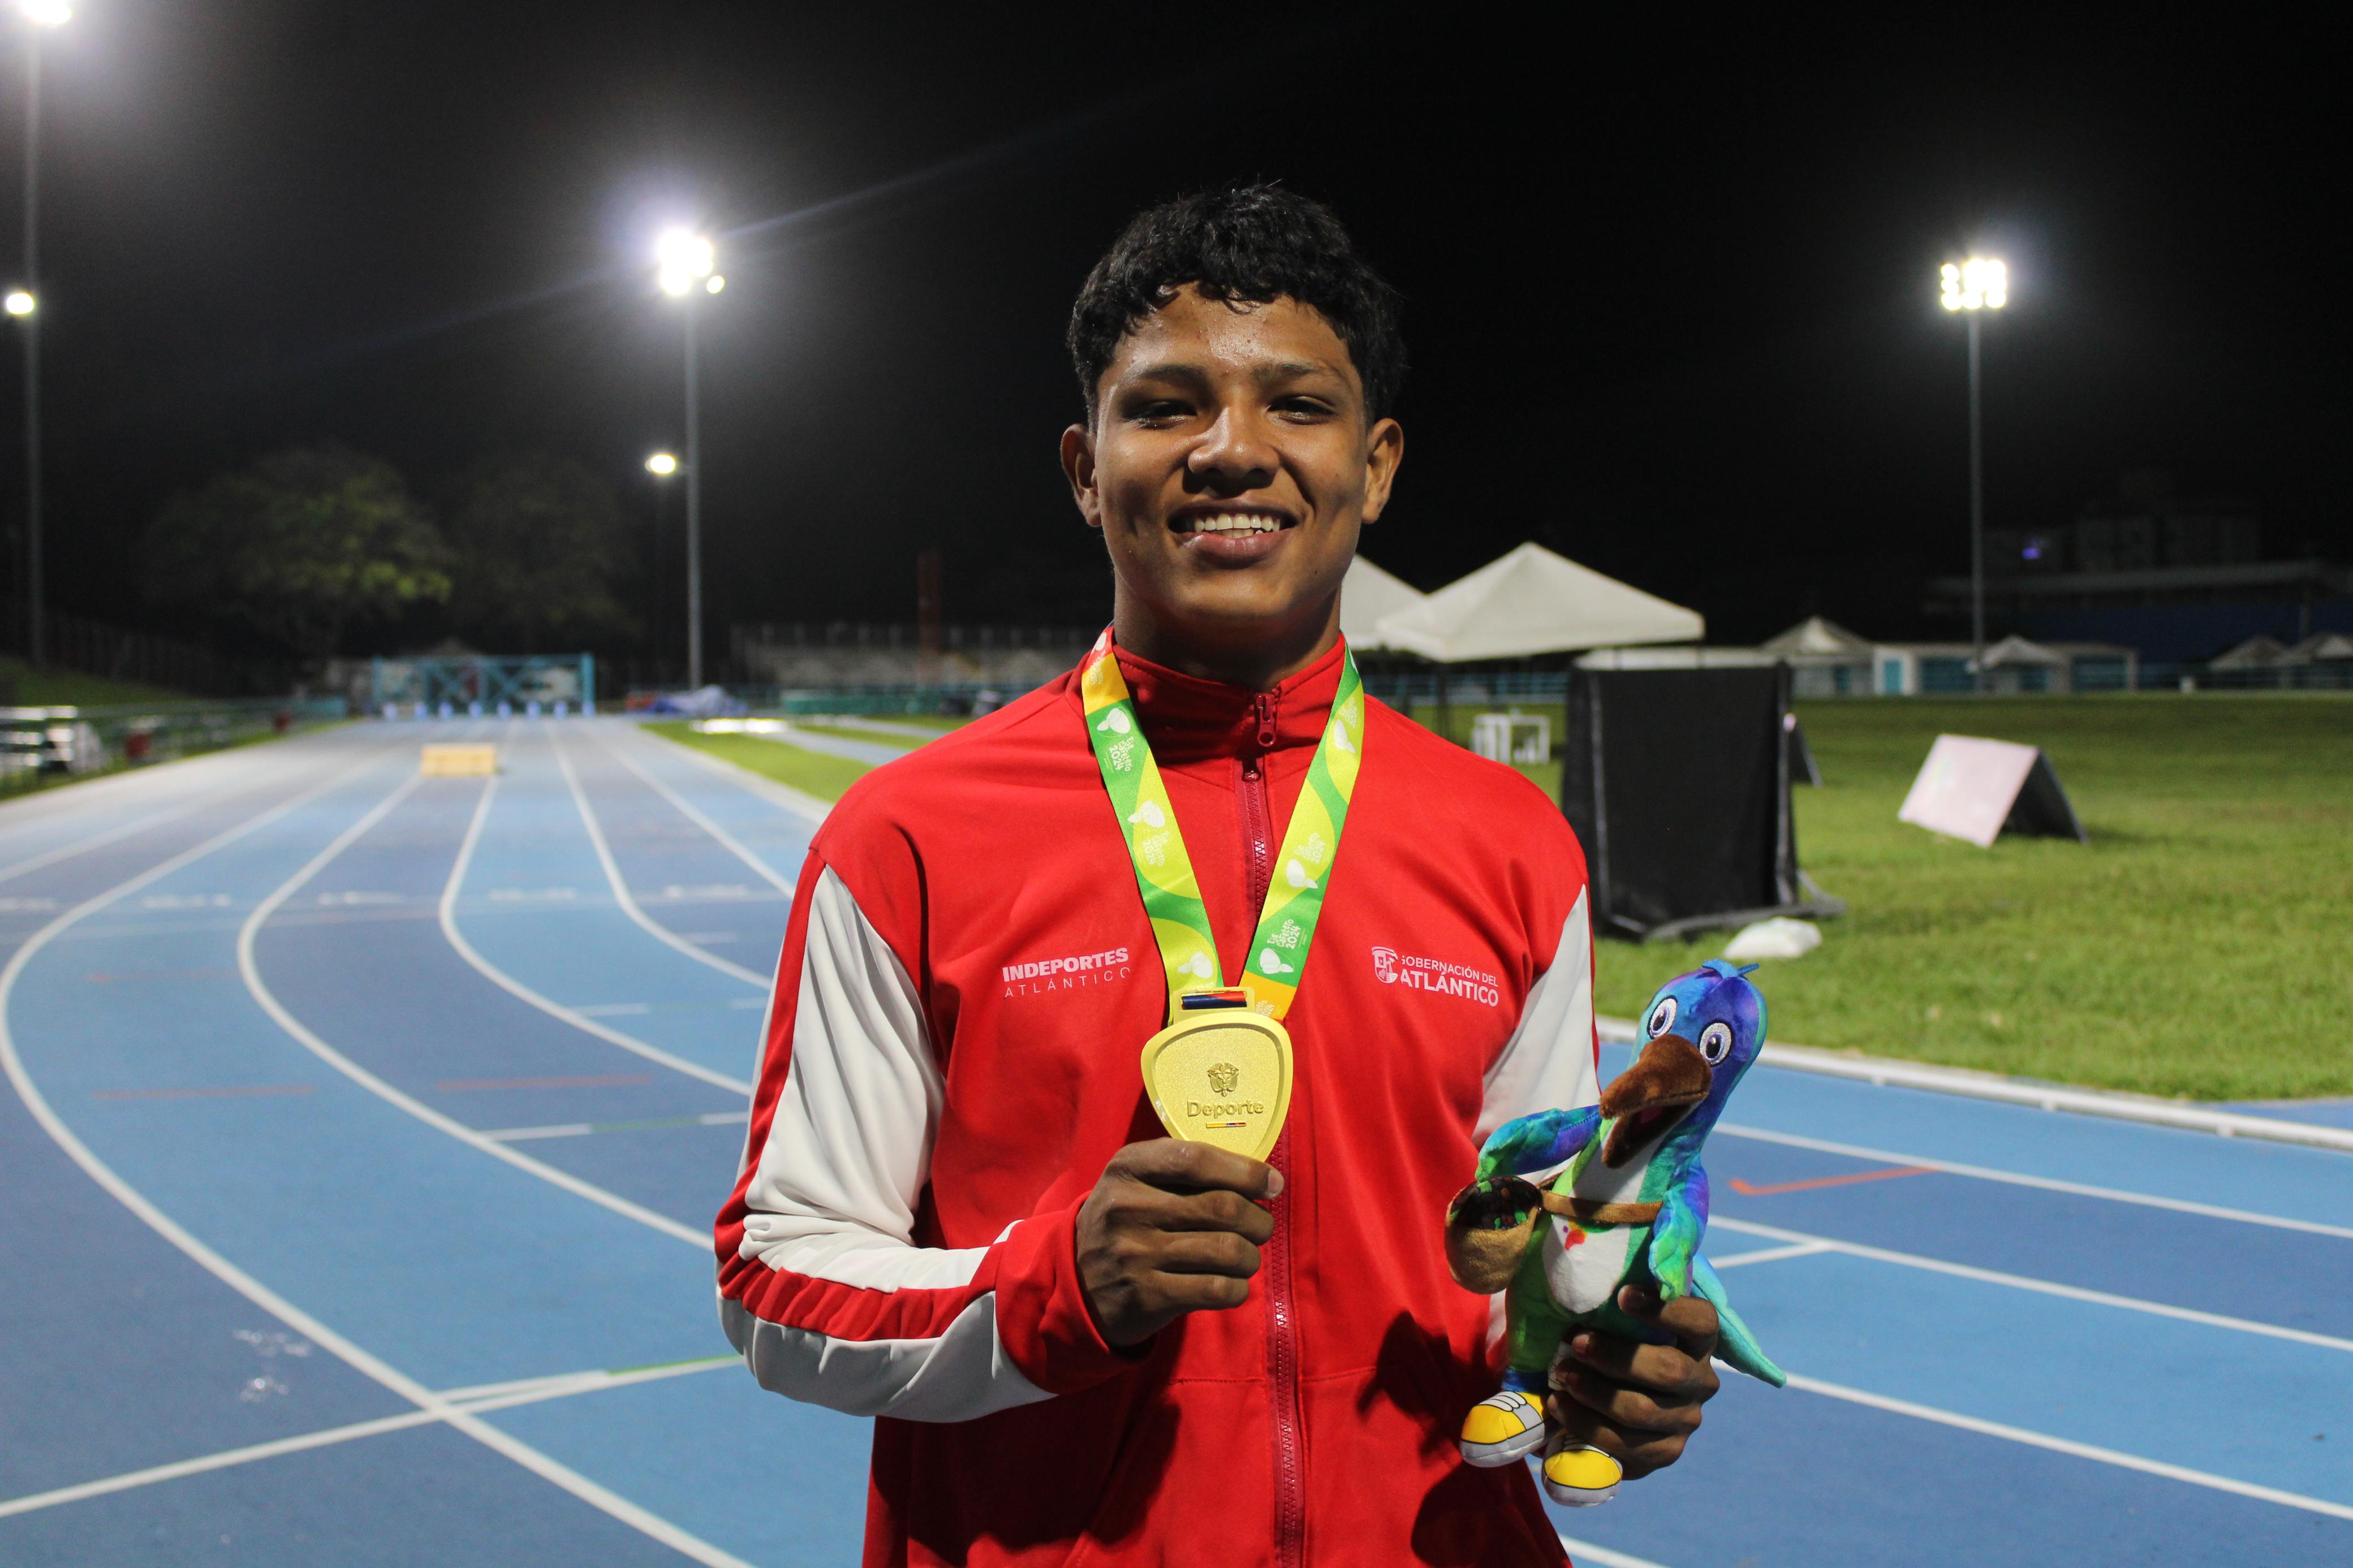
(1972, 287)
(662, 465)
(1977, 283)
(681, 256)
(41, 16)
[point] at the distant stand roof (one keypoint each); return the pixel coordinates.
(2319, 646)
(1366, 595)
(2255, 653)
(2012, 651)
(1815, 640)
(1531, 602)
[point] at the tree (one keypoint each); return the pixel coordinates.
(541, 545)
(300, 547)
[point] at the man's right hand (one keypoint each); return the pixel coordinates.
(1171, 1228)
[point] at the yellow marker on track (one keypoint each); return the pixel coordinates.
(460, 761)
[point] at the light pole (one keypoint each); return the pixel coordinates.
(663, 466)
(684, 269)
(23, 301)
(1972, 286)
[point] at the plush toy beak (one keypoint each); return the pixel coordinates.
(1667, 1078)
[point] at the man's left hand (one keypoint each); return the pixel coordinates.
(1638, 1403)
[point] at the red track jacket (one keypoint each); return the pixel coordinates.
(951, 1055)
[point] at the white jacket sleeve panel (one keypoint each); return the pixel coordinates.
(1547, 1064)
(853, 1314)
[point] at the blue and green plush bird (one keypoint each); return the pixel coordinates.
(1628, 1208)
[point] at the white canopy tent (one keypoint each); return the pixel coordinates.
(1531, 602)
(1366, 595)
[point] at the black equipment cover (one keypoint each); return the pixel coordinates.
(1677, 783)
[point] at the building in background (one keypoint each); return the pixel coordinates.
(2178, 578)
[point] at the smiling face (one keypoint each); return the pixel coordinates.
(1230, 464)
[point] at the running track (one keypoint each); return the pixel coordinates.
(364, 1130)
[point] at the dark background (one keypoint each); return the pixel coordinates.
(1671, 295)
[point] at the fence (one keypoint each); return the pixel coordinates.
(38, 745)
(93, 647)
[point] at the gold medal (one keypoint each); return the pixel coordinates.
(1221, 1072)
(1221, 1076)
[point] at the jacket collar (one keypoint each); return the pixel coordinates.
(1189, 720)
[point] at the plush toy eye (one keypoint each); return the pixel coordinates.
(1662, 1017)
(1715, 1041)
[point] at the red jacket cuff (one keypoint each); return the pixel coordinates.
(1042, 1317)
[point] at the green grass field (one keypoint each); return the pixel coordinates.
(2200, 945)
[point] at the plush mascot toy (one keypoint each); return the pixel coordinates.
(1627, 1208)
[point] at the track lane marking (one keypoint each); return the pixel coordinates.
(2044, 1183)
(2028, 1282)
(555, 1473)
(782, 883)
(1889, 1072)
(807, 807)
(472, 1402)
(2070, 1447)
(582, 1129)
(1773, 1189)
(107, 1178)
(1591, 1553)
(112, 836)
(549, 1005)
(303, 1037)
(1771, 1254)
(630, 906)
(224, 1091)
(592, 1080)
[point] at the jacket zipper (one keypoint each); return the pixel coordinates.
(1281, 1324)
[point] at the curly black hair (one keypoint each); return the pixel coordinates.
(1246, 245)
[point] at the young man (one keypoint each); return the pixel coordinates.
(1089, 1342)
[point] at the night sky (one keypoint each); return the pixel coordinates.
(1671, 296)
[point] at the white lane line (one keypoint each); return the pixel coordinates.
(1587, 1552)
(549, 1005)
(533, 1390)
(1768, 1254)
(806, 806)
(652, 928)
(524, 1134)
(244, 1284)
(2027, 1282)
(2069, 1447)
(2046, 1184)
(1884, 1072)
(582, 1129)
(687, 809)
(226, 1459)
(367, 1080)
(112, 836)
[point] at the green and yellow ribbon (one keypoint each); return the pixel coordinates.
(1164, 872)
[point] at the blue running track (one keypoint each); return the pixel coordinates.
(364, 1130)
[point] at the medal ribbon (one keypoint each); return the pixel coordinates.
(1164, 872)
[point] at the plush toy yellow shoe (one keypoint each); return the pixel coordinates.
(1501, 1429)
(1579, 1477)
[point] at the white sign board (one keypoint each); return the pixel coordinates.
(1966, 786)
